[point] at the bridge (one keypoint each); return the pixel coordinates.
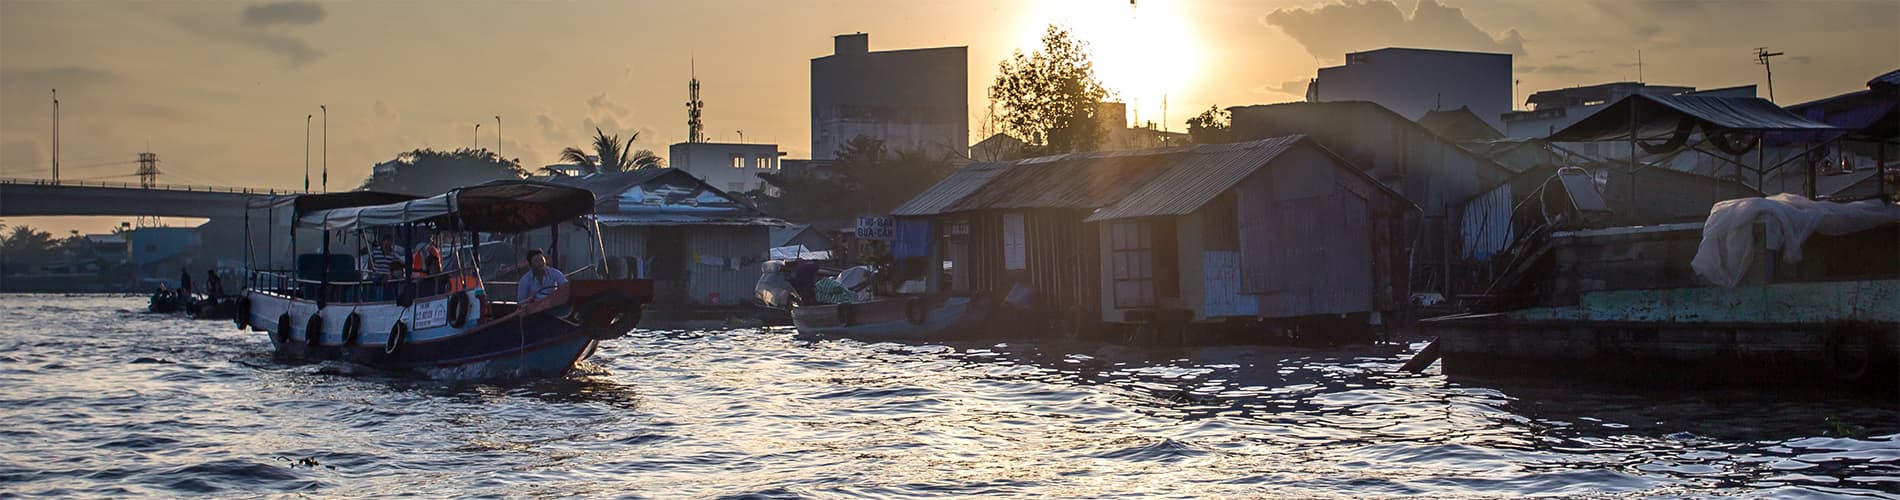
(37, 197)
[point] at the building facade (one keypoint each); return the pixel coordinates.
(912, 99)
(733, 168)
(1414, 81)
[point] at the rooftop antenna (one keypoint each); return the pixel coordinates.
(695, 131)
(1164, 112)
(1761, 57)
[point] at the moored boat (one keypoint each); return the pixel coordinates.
(442, 320)
(911, 318)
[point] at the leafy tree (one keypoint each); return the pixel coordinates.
(610, 155)
(1049, 98)
(867, 178)
(428, 172)
(25, 246)
(1210, 127)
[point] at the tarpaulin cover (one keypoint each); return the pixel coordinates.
(913, 239)
(1659, 116)
(499, 207)
(1728, 237)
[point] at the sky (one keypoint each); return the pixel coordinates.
(215, 87)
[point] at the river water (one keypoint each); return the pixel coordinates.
(98, 399)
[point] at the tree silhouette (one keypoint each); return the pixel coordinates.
(610, 155)
(1049, 98)
(425, 172)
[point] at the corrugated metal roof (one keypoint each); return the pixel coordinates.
(1083, 180)
(1198, 175)
(1660, 115)
(1889, 79)
(948, 191)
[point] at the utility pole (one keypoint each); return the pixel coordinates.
(1761, 57)
(56, 136)
(326, 146)
(306, 152)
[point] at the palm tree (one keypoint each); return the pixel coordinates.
(610, 155)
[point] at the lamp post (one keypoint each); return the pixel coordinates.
(478, 136)
(326, 146)
(741, 136)
(56, 136)
(498, 136)
(306, 152)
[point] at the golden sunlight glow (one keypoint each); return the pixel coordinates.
(1143, 50)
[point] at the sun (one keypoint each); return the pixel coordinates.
(1143, 51)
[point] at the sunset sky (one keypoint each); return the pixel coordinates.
(214, 88)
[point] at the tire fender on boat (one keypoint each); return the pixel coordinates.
(396, 334)
(313, 329)
(1849, 351)
(847, 314)
(243, 317)
(610, 317)
(283, 329)
(352, 327)
(916, 310)
(458, 309)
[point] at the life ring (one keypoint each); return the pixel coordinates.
(313, 330)
(609, 317)
(916, 310)
(395, 341)
(283, 329)
(243, 317)
(847, 314)
(458, 310)
(1849, 352)
(352, 326)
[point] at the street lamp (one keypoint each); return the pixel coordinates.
(306, 152)
(56, 136)
(498, 136)
(741, 136)
(326, 147)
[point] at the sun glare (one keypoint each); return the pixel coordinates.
(1143, 50)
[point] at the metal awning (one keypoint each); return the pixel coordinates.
(499, 207)
(1660, 117)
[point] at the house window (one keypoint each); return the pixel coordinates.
(738, 161)
(1143, 256)
(1015, 250)
(762, 162)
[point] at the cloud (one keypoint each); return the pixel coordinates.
(383, 112)
(271, 37)
(1556, 69)
(54, 77)
(1295, 88)
(1330, 31)
(155, 111)
(292, 13)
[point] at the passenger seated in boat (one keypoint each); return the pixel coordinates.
(384, 260)
(540, 281)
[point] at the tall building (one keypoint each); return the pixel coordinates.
(912, 99)
(1414, 81)
(731, 167)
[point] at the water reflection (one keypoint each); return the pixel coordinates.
(143, 406)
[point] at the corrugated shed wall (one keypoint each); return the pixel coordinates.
(1306, 243)
(726, 263)
(1063, 259)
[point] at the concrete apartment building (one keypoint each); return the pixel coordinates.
(1415, 81)
(912, 99)
(731, 167)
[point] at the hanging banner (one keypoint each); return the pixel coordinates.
(876, 228)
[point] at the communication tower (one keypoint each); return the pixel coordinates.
(695, 131)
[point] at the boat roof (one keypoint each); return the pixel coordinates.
(505, 206)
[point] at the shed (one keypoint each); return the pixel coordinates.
(699, 244)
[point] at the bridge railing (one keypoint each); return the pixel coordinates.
(160, 187)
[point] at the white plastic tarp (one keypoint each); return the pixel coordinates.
(1728, 237)
(798, 252)
(378, 215)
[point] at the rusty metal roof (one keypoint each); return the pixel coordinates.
(1198, 175)
(948, 191)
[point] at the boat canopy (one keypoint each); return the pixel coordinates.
(497, 207)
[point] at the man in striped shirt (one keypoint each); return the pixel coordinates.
(385, 260)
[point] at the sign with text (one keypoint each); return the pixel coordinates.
(432, 314)
(876, 228)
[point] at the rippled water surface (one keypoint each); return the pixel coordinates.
(98, 399)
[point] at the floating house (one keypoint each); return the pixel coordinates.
(700, 245)
(1278, 229)
(1433, 172)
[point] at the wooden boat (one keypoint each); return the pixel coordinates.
(445, 325)
(916, 317)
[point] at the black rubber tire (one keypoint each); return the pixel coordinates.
(916, 310)
(610, 317)
(352, 329)
(458, 310)
(313, 330)
(283, 329)
(1838, 352)
(243, 317)
(396, 334)
(847, 314)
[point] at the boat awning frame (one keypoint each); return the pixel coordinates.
(495, 207)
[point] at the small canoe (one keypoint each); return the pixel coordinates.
(922, 317)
